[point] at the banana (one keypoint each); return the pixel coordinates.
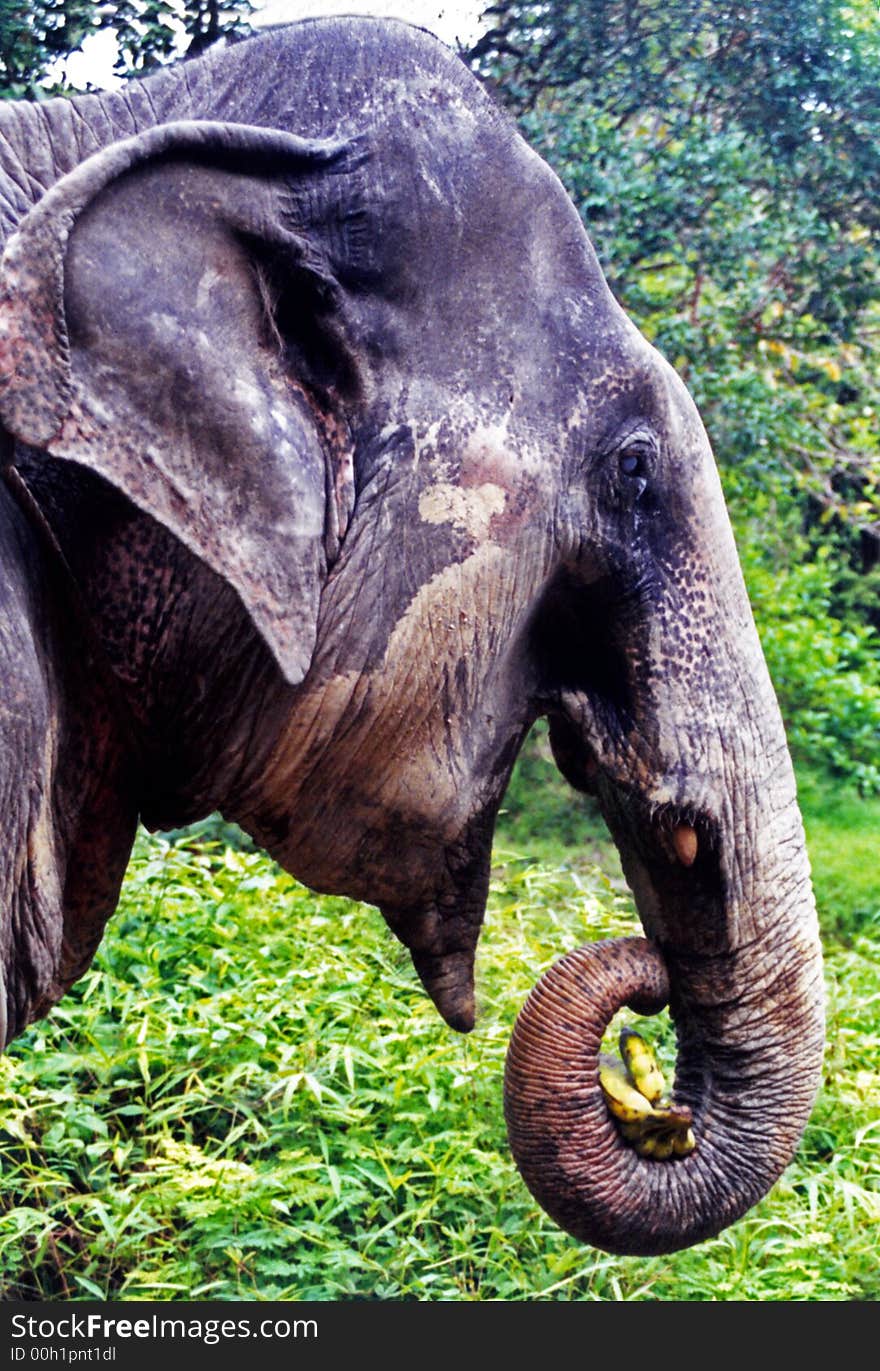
(655, 1127)
(626, 1103)
(671, 1117)
(642, 1066)
(684, 1142)
(660, 1145)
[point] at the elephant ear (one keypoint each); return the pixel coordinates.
(164, 311)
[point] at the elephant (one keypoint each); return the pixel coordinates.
(331, 464)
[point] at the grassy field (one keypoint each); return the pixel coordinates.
(249, 1096)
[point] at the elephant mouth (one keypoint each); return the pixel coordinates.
(681, 868)
(671, 853)
(673, 860)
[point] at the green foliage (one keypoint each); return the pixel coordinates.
(726, 160)
(842, 830)
(36, 35)
(826, 671)
(249, 1096)
(797, 81)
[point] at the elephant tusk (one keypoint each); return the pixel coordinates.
(684, 840)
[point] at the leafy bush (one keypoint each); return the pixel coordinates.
(725, 162)
(826, 672)
(249, 1096)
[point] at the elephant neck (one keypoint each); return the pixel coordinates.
(192, 693)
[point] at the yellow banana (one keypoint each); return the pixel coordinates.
(660, 1145)
(626, 1103)
(655, 1127)
(684, 1142)
(671, 1116)
(641, 1064)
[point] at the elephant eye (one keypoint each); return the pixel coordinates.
(633, 463)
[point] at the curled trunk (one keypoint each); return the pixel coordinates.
(674, 727)
(749, 1080)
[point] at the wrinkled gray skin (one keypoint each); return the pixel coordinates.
(344, 466)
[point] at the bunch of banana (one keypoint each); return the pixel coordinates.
(633, 1091)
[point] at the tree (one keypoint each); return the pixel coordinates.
(725, 157)
(35, 35)
(786, 95)
(150, 32)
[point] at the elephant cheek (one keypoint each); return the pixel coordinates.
(395, 760)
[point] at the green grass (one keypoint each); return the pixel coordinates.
(249, 1096)
(544, 817)
(843, 837)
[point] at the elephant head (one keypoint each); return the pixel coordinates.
(374, 471)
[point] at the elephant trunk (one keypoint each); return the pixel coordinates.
(745, 992)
